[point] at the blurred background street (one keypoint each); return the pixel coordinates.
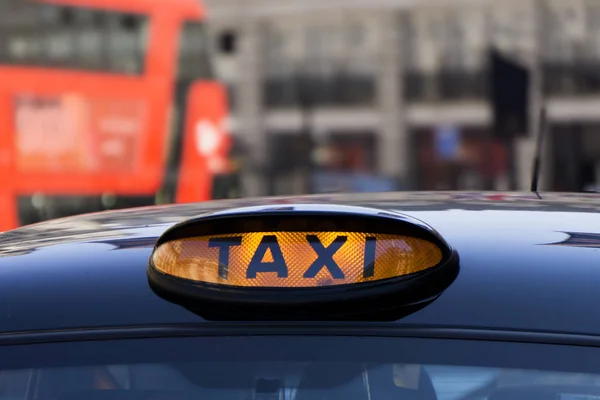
(113, 104)
(395, 94)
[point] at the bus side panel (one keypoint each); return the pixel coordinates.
(8, 198)
(104, 139)
(205, 141)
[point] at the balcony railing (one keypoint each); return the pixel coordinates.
(445, 86)
(361, 91)
(336, 91)
(574, 79)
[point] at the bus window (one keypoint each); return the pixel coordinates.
(194, 60)
(73, 37)
(22, 36)
(90, 48)
(59, 35)
(127, 43)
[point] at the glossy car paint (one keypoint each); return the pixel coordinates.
(525, 264)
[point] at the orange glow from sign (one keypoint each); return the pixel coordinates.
(295, 259)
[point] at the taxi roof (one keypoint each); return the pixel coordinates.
(526, 264)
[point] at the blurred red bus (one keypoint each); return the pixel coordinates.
(106, 104)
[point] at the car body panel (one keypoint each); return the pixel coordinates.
(525, 264)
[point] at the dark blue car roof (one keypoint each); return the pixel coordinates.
(526, 263)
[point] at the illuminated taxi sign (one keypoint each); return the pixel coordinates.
(295, 259)
(301, 262)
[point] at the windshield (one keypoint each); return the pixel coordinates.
(297, 368)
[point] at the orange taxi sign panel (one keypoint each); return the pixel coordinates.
(295, 259)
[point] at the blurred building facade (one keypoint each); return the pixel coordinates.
(397, 89)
